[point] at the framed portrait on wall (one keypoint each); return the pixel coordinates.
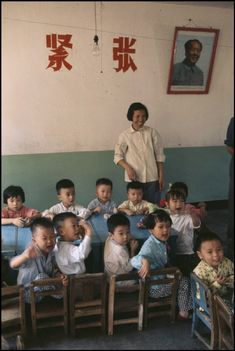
(192, 60)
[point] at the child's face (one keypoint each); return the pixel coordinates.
(121, 234)
(211, 252)
(103, 192)
(45, 239)
(175, 205)
(135, 195)
(139, 119)
(69, 231)
(14, 203)
(161, 230)
(67, 196)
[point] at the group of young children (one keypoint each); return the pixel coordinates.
(54, 250)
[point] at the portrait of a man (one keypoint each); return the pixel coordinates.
(192, 60)
(188, 72)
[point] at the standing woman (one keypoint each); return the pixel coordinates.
(140, 152)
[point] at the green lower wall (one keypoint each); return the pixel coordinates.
(204, 169)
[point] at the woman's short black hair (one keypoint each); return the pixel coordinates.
(136, 106)
(13, 191)
(157, 216)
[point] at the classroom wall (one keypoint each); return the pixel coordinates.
(51, 117)
(204, 169)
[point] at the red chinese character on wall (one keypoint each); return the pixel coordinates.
(58, 43)
(122, 53)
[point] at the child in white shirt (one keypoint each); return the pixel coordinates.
(183, 224)
(116, 255)
(66, 194)
(70, 257)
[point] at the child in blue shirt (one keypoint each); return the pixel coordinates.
(103, 204)
(153, 255)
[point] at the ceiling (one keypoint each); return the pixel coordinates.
(220, 4)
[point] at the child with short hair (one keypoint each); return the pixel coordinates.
(214, 269)
(117, 259)
(38, 260)
(135, 205)
(103, 204)
(199, 210)
(183, 224)
(66, 194)
(70, 257)
(15, 212)
(153, 255)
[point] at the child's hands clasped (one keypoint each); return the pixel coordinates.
(19, 222)
(221, 279)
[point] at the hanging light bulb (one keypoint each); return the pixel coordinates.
(96, 48)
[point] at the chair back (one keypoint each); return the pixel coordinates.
(203, 312)
(87, 301)
(225, 320)
(162, 305)
(126, 300)
(51, 311)
(13, 310)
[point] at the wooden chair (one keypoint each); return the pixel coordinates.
(87, 299)
(125, 302)
(164, 305)
(13, 310)
(225, 320)
(203, 313)
(49, 312)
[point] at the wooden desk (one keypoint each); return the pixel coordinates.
(99, 225)
(16, 239)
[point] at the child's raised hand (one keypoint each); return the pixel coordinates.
(144, 270)
(19, 222)
(87, 227)
(32, 251)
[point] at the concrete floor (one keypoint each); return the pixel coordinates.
(159, 335)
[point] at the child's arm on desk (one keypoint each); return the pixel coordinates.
(19, 222)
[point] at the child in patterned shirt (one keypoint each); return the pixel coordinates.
(135, 205)
(214, 269)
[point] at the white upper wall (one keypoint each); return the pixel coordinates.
(85, 110)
